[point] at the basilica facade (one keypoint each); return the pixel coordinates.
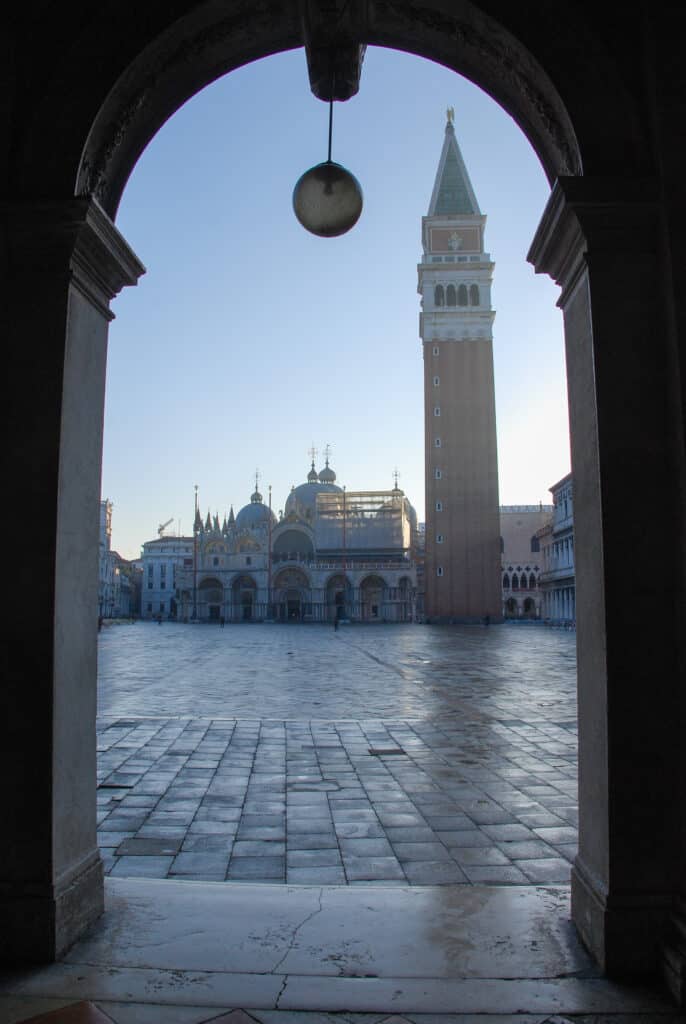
(331, 555)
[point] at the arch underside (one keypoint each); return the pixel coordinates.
(100, 116)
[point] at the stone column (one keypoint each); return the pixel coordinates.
(600, 240)
(62, 264)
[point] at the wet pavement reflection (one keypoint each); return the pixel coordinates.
(383, 755)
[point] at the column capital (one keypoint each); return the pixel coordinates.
(74, 234)
(593, 215)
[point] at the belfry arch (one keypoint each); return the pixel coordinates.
(105, 91)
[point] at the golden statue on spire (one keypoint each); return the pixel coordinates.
(450, 114)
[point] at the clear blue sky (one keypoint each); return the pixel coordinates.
(249, 340)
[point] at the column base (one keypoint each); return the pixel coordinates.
(40, 923)
(673, 955)
(623, 935)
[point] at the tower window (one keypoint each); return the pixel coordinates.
(439, 295)
(462, 295)
(437, 442)
(435, 350)
(437, 410)
(438, 474)
(439, 570)
(439, 506)
(439, 538)
(450, 295)
(437, 381)
(474, 295)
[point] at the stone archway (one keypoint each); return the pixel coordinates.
(339, 597)
(244, 599)
(292, 596)
(373, 599)
(210, 600)
(77, 134)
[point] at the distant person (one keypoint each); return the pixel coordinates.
(335, 623)
(487, 620)
(222, 621)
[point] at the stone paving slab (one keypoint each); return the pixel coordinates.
(475, 783)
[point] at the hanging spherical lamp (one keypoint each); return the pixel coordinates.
(327, 199)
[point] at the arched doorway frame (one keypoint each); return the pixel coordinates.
(292, 594)
(210, 608)
(598, 231)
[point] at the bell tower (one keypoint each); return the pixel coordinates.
(462, 569)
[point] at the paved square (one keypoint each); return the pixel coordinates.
(386, 755)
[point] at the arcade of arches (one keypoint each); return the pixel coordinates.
(84, 92)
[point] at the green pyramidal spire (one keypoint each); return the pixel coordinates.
(453, 192)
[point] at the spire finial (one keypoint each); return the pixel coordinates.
(327, 453)
(313, 454)
(396, 474)
(256, 496)
(450, 115)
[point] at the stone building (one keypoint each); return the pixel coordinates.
(461, 580)
(522, 559)
(162, 561)
(557, 581)
(602, 99)
(106, 562)
(332, 554)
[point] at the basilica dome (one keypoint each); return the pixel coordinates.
(302, 500)
(255, 514)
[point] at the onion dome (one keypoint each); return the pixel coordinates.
(327, 475)
(312, 476)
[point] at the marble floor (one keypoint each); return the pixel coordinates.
(187, 952)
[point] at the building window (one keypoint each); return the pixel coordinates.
(437, 381)
(435, 350)
(437, 442)
(149, 606)
(532, 582)
(462, 295)
(163, 570)
(439, 538)
(149, 570)
(161, 606)
(439, 570)
(149, 584)
(535, 544)
(215, 560)
(248, 559)
(439, 297)
(163, 584)
(437, 410)
(506, 582)
(439, 506)
(473, 295)
(450, 295)
(438, 474)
